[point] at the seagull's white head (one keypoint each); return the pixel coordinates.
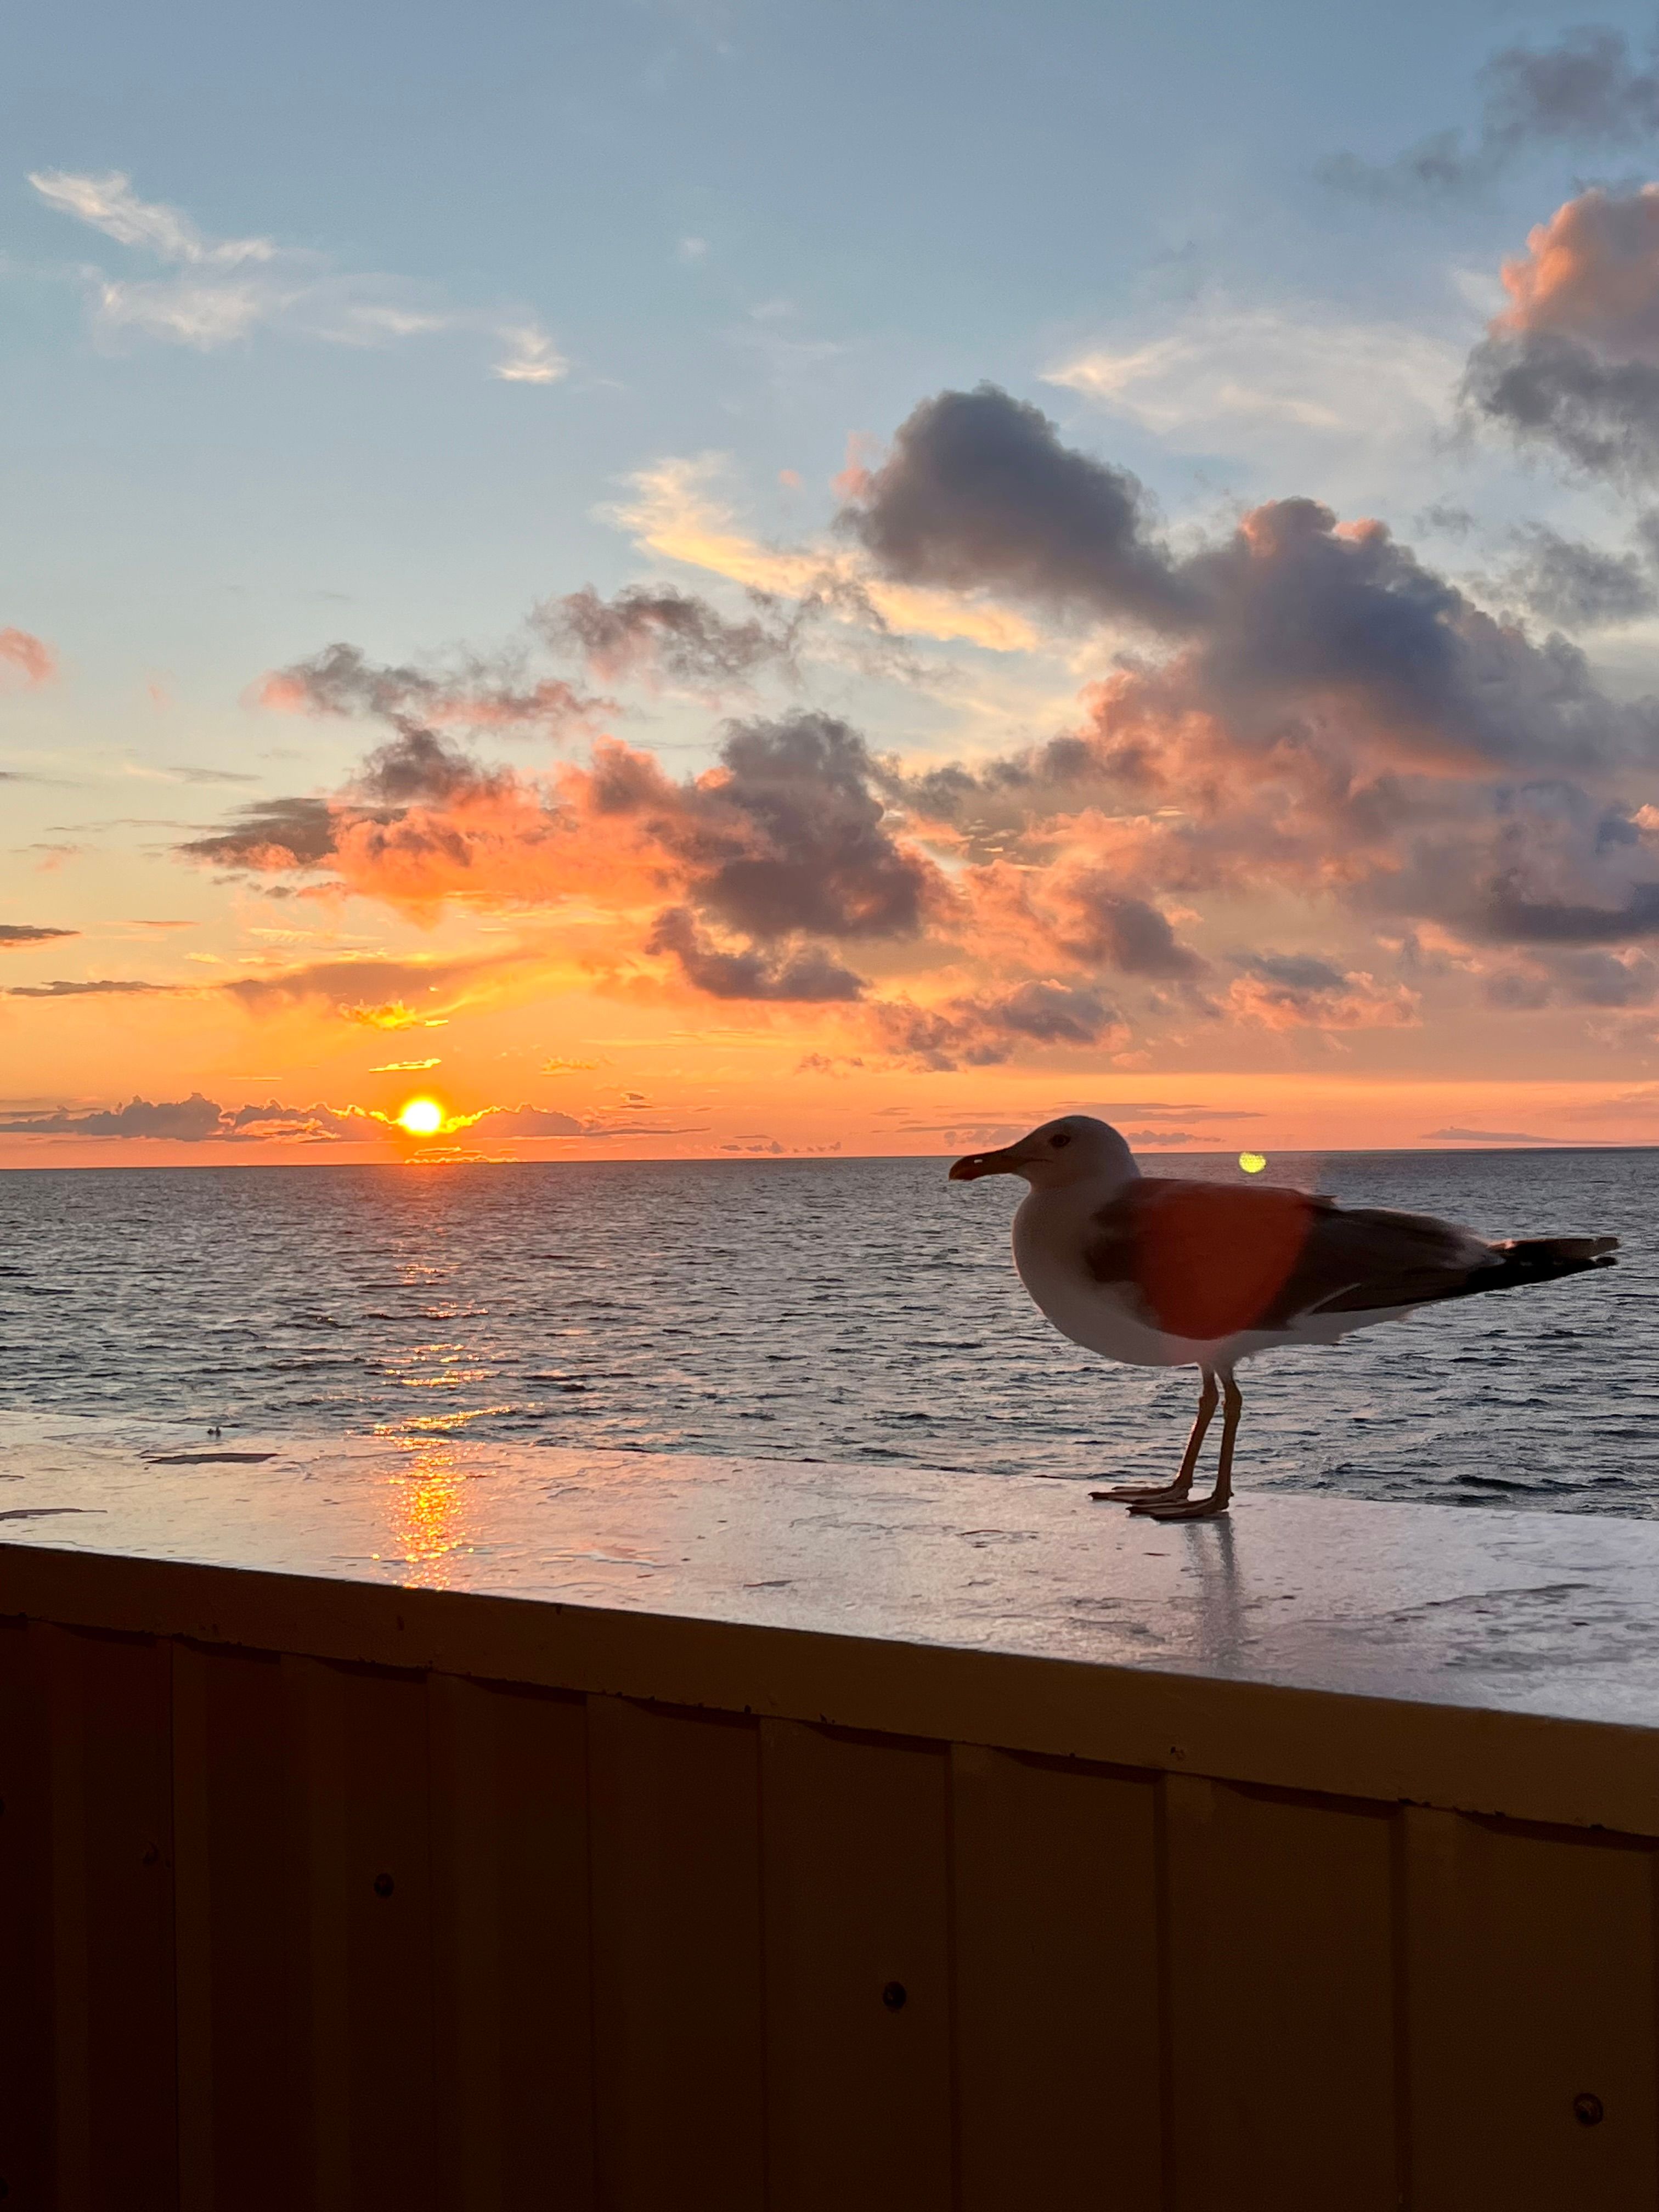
(1076, 1149)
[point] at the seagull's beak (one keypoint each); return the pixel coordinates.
(1008, 1161)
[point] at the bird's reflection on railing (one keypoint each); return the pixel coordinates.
(1220, 1603)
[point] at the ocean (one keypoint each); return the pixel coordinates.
(823, 1309)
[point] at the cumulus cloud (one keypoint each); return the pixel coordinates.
(786, 841)
(192, 1121)
(1291, 991)
(1316, 714)
(984, 1030)
(1585, 90)
(978, 491)
(27, 656)
(1292, 615)
(1573, 363)
(198, 1120)
(808, 975)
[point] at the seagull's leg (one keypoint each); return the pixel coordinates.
(1206, 1508)
(1144, 1492)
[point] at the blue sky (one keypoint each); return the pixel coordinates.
(884, 200)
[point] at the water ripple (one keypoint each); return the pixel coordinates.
(844, 1309)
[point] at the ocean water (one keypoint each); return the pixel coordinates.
(846, 1310)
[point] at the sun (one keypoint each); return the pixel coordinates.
(421, 1117)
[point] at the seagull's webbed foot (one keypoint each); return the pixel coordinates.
(1142, 1496)
(1206, 1508)
(1190, 1509)
(1136, 1494)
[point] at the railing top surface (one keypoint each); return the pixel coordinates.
(1521, 1612)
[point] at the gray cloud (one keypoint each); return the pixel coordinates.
(1289, 616)
(805, 975)
(792, 837)
(1510, 914)
(478, 693)
(984, 1030)
(291, 832)
(14, 934)
(1105, 924)
(1298, 971)
(1584, 90)
(1489, 1137)
(1600, 415)
(103, 989)
(1562, 580)
(192, 1121)
(978, 491)
(661, 635)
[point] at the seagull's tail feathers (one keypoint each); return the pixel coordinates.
(1543, 1260)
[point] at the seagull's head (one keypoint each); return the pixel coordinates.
(1074, 1150)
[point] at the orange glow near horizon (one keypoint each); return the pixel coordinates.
(421, 1117)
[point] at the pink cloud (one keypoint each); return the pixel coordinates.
(1591, 272)
(33, 659)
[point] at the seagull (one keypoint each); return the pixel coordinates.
(1160, 1271)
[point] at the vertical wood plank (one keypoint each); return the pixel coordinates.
(389, 1943)
(113, 1722)
(1055, 1872)
(316, 1835)
(27, 2088)
(192, 1926)
(514, 2002)
(856, 1843)
(1280, 1919)
(678, 1998)
(1530, 1977)
(242, 2040)
(60, 1653)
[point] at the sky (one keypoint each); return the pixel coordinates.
(709, 578)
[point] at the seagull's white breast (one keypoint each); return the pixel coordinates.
(1049, 1232)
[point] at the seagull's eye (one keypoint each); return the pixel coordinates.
(1061, 1140)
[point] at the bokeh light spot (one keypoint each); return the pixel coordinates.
(1252, 1162)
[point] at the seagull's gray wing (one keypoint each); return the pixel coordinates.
(1205, 1260)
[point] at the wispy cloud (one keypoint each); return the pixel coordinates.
(16, 934)
(532, 357)
(676, 513)
(1235, 379)
(219, 290)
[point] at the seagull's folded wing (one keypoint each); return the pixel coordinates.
(1203, 1261)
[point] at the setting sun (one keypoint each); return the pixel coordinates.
(421, 1117)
